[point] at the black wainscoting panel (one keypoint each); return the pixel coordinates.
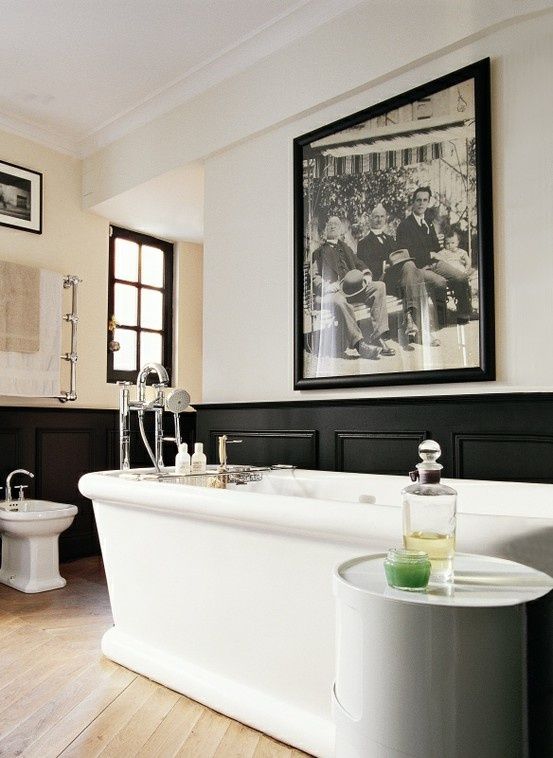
(10, 453)
(262, 447)
(376, 452)
(59, 445)
(495, 456)
(62, 457)
(112, 448)
(503, 436)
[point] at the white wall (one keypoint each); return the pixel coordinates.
(244, 127)
(249, 242)
(373, 42)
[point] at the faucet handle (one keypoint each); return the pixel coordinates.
(223, 442)
(21, 487)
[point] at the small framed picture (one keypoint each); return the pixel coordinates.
(20, 198)
(393, 240)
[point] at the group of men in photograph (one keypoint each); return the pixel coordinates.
(411, 267)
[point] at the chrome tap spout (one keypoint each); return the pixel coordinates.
(9, 481)
(144, 373)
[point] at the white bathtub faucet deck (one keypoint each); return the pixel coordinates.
(226, 595)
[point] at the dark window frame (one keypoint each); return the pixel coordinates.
(117, 232)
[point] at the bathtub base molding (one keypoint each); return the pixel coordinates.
(250, 706)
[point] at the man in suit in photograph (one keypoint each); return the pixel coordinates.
(379, 251)
(419, 237)
(332, 261)
(375, 248)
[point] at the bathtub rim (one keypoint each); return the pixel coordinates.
(113, 486)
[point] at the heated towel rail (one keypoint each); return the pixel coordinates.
(72, 318)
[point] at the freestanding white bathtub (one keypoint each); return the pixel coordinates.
(226, 595)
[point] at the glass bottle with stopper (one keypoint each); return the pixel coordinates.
(429, 513)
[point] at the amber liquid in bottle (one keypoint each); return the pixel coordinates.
(440, 549)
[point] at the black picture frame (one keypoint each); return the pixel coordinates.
(351, 166)
(20, 198)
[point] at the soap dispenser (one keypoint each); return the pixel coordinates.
(429, 513)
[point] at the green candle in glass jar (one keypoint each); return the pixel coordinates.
(407, 569)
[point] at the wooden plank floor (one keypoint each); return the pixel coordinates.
(60, 696)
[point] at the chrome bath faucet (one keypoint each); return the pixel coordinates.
(175, 401)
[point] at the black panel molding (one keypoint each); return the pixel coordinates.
(57, 450)
(504, 436)
(477, 456)
(260, 446)
(376, 452)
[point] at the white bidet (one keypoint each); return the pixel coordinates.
(30, 531)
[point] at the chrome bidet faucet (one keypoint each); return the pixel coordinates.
(9, 481)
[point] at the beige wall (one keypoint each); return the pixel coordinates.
(75, 241)
(188, 318)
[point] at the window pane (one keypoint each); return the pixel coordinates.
(125, 358)
(126, 303)
(151, 309)
(152, 266)
(150, 348)
(126, 260)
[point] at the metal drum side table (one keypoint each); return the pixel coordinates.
(437, 674)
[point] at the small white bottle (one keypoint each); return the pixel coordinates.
(182, 460)
(198, 464)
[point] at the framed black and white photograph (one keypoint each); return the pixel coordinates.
(394, 240)
(20, 198)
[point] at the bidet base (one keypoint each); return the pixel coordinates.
(31, 564)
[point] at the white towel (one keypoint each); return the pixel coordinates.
(38, 374)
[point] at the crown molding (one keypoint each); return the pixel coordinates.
(299, 21)
(36, 133)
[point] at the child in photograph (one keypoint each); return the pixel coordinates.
(453, 254)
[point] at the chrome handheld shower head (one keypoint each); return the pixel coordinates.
(177, 400)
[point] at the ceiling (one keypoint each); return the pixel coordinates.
(77, 74)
